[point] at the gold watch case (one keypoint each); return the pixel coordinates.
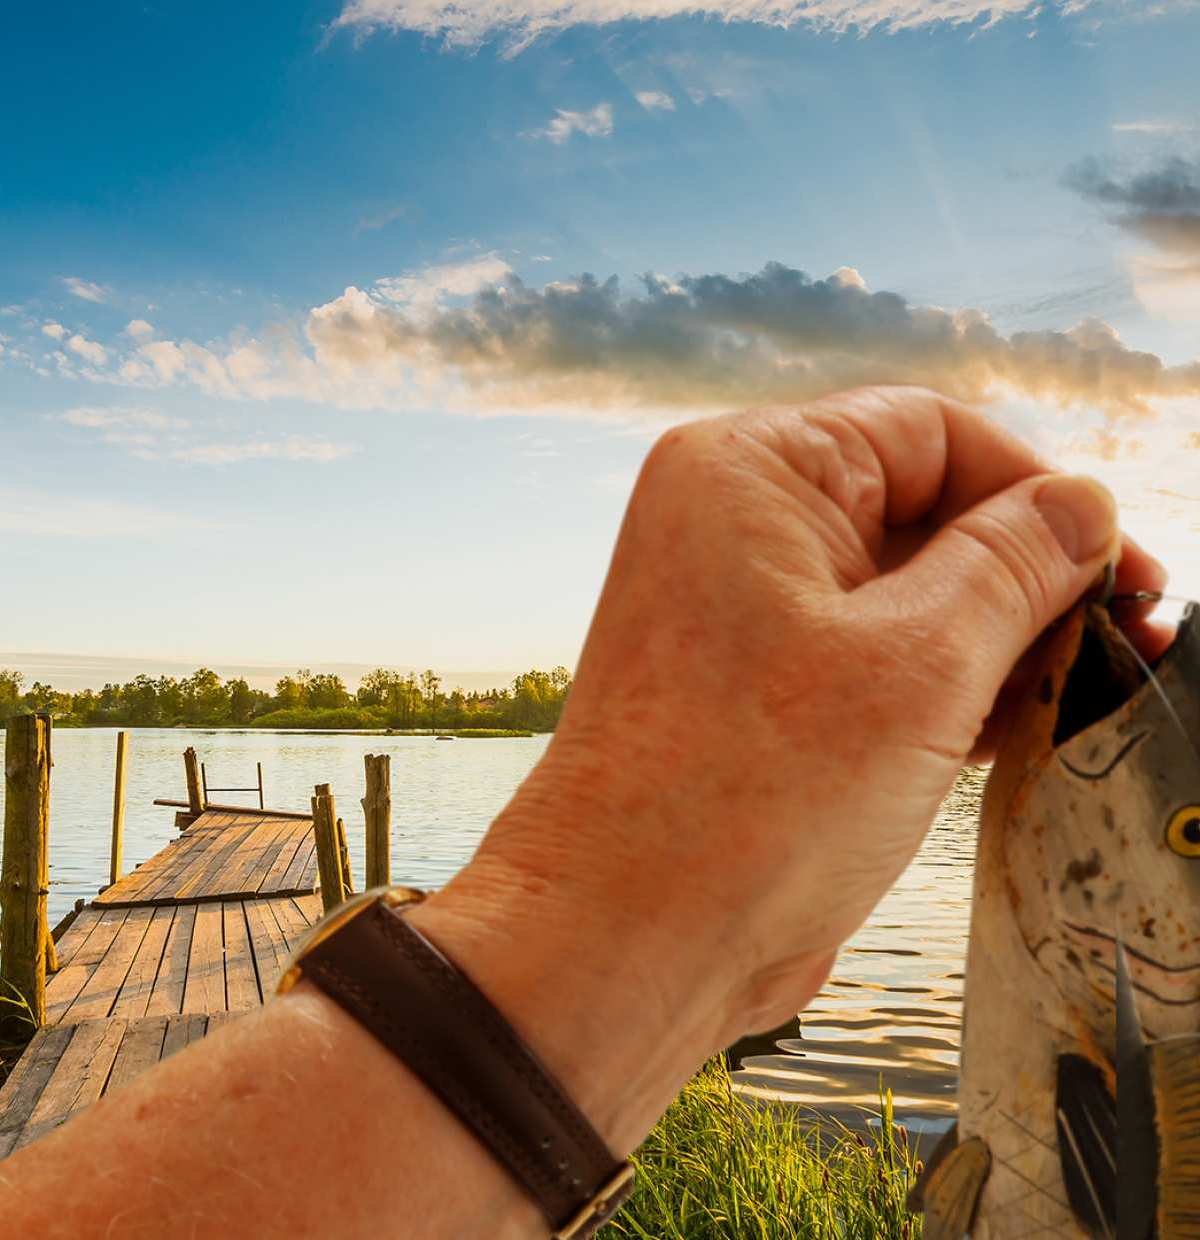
(335, 919)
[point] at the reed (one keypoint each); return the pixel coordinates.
(718, 1166)
(17, 1026)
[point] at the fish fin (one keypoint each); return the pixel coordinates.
(1175, 1071)
(948, 1191)
(1087, 1142)
(1137, 1143)
(945, 1145)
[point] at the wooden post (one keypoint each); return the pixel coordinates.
(329, 853)
(118, 825)
(25, 880)
(377, 810)
(191, 767)
(344, 858)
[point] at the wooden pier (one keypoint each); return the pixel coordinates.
(192, 938)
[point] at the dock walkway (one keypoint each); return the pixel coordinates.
(190, 939)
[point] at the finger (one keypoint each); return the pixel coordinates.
(938, 458)
(1002, 571)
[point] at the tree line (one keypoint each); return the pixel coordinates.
(383, 699)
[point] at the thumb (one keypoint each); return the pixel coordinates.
(1005, 569)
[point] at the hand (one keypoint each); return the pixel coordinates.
(810, 616)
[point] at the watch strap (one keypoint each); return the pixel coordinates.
(400, 987)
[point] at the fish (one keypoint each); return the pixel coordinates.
(1079, 1089)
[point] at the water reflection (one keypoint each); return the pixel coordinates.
(892, 1006)
(892, 1009)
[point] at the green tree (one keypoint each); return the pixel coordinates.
(241, 701)
(431, 685)
(205, 698)
(325, 691)
(10, 693)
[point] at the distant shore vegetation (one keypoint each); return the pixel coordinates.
(383, 700)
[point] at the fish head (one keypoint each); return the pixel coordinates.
(1102, 839)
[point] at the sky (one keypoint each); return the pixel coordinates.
(335, 333)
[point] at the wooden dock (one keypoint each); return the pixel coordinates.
(187, 941)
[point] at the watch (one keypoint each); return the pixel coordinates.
(368, 958)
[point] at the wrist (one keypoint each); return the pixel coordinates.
(620, 982)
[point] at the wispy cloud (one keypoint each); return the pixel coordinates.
(1153, 127)
(139, 329)
(292, 448)
(517, 23)
(56, 331)
(597, 122)
(655, 100)
(85, 289)
(152, 435)
(381, 219)
(426, 286)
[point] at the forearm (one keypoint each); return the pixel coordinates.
(295, 1121)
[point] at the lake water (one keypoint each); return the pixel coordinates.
(892, 1006)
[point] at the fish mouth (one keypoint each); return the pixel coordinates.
(1174, 985)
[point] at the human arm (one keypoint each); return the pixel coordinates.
(809, 618)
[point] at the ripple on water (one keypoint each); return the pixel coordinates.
(892, 1009)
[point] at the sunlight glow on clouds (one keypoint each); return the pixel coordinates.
(655, 99)
(89, 350)
(519, 22)
(667, 347)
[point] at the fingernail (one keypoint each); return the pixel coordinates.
(1081, 514)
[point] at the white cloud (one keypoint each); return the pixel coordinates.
(89, 350)
(139, 329)
(427, 286)
(86, 289)
(92, 417)
(518, 22)
(313, 451)
(56, 331)
(597, 122)
(652, 99)
(1153, 127)
(381, 219)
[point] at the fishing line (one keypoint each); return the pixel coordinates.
(1172, 713)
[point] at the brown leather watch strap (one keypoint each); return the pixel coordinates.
(399, 986)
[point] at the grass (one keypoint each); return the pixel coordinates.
(16, 1028)
(718, 1166)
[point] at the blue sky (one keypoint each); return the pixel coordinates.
(298, 364)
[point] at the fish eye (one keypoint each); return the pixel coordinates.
(1183, 832)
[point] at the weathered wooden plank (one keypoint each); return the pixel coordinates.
(100, 991)
(139, 982)
(310, 907)
(270, 945)
(182, 1030)
(282, 854)
(141, 1048)
(169, 985)
(241, 977)
(24, 1087)
(78, 1078)
(204, 990)
(213, 862)
(152, 873)
(292, 922)
(240, 872)
(76, 934)
(186, 853)
(218, 1020)
(65, 985)
(302, 873)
